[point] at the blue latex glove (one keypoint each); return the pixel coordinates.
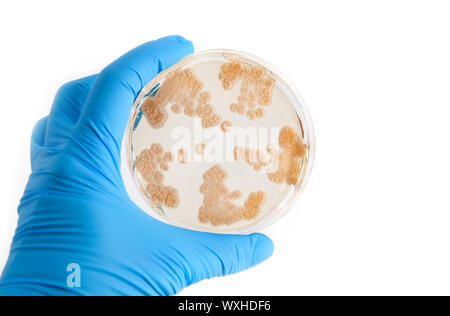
(75, 208)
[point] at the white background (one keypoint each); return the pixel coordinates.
(375, 216)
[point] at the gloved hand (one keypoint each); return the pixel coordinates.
(75, 212)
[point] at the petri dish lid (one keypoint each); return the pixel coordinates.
(179, 164)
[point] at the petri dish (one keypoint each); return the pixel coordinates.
(219, 142)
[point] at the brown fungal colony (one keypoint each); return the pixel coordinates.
(256, 88)
(287, 158)
(225, 126)
(200, 148)
(258, 159)
(182, 88)
(218, 202)
(182, 156)
(292, 150)
(150, 163)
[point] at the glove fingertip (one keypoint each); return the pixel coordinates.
(185, 45)
(184, 41)
(262, 248)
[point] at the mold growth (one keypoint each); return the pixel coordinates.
(281, 166)
(226, 126)
(218, 204)
(183, 89)
(150, 163)
(182, 156)
(200, 148)
(256, 88)
(292, 150)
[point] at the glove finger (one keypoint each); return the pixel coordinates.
(66, 109)
(37, 140)
(103, 120)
